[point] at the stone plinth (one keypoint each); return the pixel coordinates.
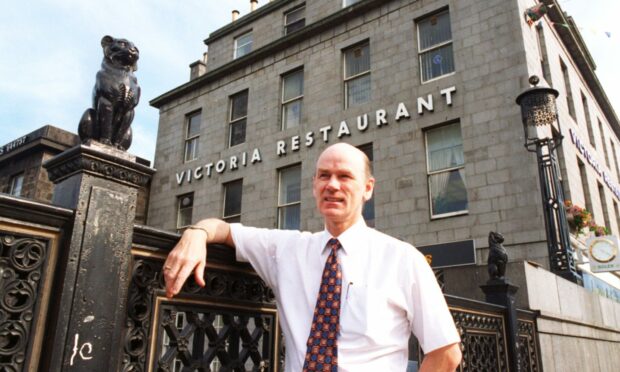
(100, 183)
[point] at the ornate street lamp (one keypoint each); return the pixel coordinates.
(539, 114)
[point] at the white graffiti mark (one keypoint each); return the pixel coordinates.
(85, 355)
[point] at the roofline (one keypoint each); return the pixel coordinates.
(269, 49)
(571, 38)
(245, 20)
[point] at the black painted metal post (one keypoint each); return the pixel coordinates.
(539, 114)
(100, 183)
(502, 292)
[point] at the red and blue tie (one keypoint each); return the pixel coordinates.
(322, 351)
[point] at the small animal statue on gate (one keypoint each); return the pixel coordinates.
(498, 258)
(115, 95)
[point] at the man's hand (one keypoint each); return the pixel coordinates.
(190, 253)
(444, 359)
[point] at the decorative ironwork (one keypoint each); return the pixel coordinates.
(108, 169)
(21, 270)
(221, 286)
(441, 279)
(483, 341)
(214, 339)
(538, 109)
(527, 346)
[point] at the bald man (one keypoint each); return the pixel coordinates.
(349, 296)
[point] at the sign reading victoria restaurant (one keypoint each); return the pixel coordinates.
(380, 118)
(583, 150)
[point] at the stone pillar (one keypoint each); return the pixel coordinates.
(502, 292)
(100, 183)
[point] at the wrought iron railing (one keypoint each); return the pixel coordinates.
(30, 240)
(229, 325)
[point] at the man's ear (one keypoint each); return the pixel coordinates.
(369, 188)
(313, 192)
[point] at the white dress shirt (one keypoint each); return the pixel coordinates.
(388, 291)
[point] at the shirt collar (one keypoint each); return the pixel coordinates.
(349, 238)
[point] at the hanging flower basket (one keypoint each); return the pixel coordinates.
(580, 218)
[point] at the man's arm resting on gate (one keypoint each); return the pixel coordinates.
(190, 253)
(444, 359)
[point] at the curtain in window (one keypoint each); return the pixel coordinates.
(435, 30)
(290, 217)
(445, 151)
(293, 86)
(358, 90)
(437, 62)
(357, 60)
(445, 147)
(448, 192)
(291, 114)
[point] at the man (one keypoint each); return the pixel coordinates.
(373, 290)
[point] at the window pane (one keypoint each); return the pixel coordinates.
(243, 45)
(358, 91)
(232, 201)
(437, 62)
(292, 85)
(357, 60)
(17, 182)
(191, 149)
(290, 185)
(193, 126)
(448, 192)
(350, 2)
(294, 26)
(434, 30)
(295, 15)
(185, 208)
(239, 105)
(291, 114)
(445, 147)
(289, 217)
(237, 132)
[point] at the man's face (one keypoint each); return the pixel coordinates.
(340, 184)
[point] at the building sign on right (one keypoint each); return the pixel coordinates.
(603, 252)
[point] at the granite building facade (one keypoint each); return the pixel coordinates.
(21, 166)
(426, 88)
(21, 160)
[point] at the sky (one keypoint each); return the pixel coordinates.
(51, 52)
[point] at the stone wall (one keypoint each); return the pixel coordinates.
(578, 330)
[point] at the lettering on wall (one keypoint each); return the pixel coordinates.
(590, 159)
(220, 166)
(13, 145)
(379, 118)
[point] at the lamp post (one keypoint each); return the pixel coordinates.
(539, 114)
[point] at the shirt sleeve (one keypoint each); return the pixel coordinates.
(429, 315)
(258, 247)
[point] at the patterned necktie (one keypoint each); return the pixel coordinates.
(322, 351)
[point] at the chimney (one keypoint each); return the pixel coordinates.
(198, 68)
(253, 5)
(235, 15)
